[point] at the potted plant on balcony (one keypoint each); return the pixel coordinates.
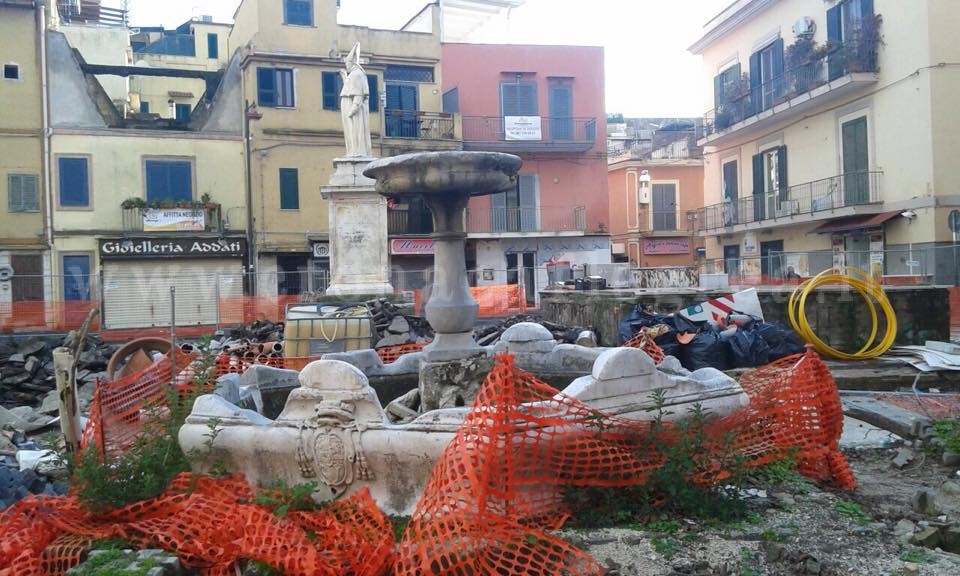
(207, 203)
(135, 202)
(861, 48)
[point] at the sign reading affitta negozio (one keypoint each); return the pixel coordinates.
(136, 248)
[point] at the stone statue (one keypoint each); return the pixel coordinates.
(355, 106)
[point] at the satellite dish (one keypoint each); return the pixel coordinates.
(804, 27)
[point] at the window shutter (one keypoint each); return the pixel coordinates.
(14, 193)
(374, 93)
(213, 47)
(782, 173)
(289, 189)
(332, 85)
(527, 191)
(30, 192)
(519, 99)
(758, 187)
(393, 96)
(756, 79)
(718, 98)
(498, 212)
(779, 85)
(266, 87)
(866, 8)
(74, 182)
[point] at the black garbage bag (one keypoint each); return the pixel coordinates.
(747, 348)
(668, 343)
(781, 340)
(705, 350)
(637, 319)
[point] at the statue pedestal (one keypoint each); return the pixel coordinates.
(358, 231)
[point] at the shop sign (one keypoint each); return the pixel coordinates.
(656, 246)
(411, 246)
(522, 128)
(140, 248)
(173, 220)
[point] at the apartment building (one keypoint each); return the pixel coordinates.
(24, 240)
(655, 180)
(830, 137)
(291, 54)
(546, 105)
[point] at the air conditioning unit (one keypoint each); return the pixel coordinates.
(206, 19)
(804, 27)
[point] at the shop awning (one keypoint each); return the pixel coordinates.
(855, 222)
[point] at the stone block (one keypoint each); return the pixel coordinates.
(454, 383)
(228, 387)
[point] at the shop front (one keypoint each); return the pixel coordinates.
(146, 281)
(411, 263)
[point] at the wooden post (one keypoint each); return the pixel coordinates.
(67, 393)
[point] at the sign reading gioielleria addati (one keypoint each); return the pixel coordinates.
(129, 248)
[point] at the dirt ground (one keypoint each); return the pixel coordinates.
(797, 528)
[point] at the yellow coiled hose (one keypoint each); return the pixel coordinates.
(871, 291)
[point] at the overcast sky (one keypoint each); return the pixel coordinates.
(649, 71)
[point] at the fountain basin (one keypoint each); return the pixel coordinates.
(430, 174)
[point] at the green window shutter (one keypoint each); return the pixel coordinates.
(14, 193)
(758, 199)
(213, 47)
(374, 93)
(266, 87)
(782, 172)
(289, 189)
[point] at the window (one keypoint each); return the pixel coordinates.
(561, 110)
(298, 12)
(76, 277)
(144, 107)
(451, 101)
(182, 113)
(23, 193)
(401, 111)
(766, 76)
(169, 180)
(664, 206)
(213, 46)
(730, 193)
(847, 30)
(770, 189)
(74, 180)
(518, 98)
(275, 87)
(333, 84)
(417, 74)
(289, 189)
(856, 162)
(11, 71)
(516, 211)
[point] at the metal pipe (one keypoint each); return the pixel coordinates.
(45, 137)
(173, 332)
(251, 237)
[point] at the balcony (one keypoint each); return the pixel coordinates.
(420, 125)
(667, 222)
(543, 220)
(172, 45)
(529, 134)
(204, 219)
(409, 221)
(843, 195)
(841, 70)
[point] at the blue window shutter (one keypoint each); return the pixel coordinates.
(332, 85)
(181, 181)
(213, 46)
(74, 182)
(289, 189)
(374, 93)
(779, 85)
(866, 8)
(182, 113)
(718, 86)
(299, 12)
(266, 87)
(169, 181)
(144, 107)
(834, 40)
(756, 79)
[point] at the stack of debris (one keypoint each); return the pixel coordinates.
(26, 469)
(393, 327)
(26, 366)
(259, 331)
(490, 334)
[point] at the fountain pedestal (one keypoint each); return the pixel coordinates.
(358, 231)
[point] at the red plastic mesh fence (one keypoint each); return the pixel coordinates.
(390, 354)
(210, 524)
(643, 341)
(498, 488)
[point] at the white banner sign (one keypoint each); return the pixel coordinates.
(522, 128)
(173, 220)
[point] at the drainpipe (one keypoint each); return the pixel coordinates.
(251, 237)
(45, 140)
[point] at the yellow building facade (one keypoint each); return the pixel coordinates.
(291, 54)
(828, 136)
(24, 254)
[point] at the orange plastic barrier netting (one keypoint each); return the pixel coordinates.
(497, 301)
(497, 490)
(390, 354)
(643, 341)
(210, 524)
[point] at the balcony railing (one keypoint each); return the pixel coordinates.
(851, 189)
(839, 60)
(140, 220)
(173, 45)
(402, 222)
(529, 133)
(419, 124)
(667, 222)
(554, 219)
(91, 12)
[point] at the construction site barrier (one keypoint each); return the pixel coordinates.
(490, 507)
(499, 301)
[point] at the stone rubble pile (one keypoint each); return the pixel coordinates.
(394, 327)
(27, 469)
(26, 366)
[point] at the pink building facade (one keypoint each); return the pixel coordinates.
(546, 105)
